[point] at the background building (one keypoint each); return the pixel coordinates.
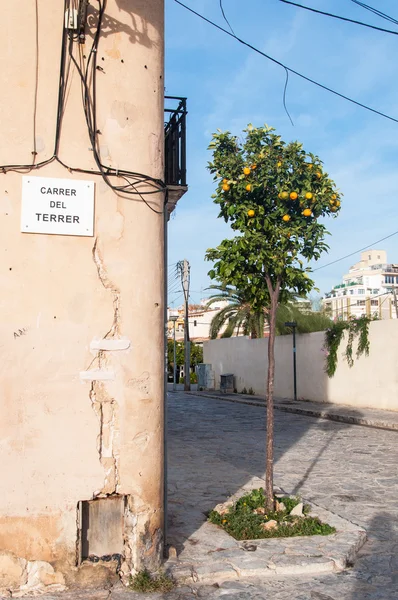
(369, 288)
(199, 320)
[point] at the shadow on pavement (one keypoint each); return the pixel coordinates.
(376, 569)
(216, 448)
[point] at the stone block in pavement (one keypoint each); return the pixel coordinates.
(215, 572)
(302, 565)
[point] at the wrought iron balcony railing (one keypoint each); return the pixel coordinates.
(175, 141)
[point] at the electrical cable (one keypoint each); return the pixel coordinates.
(89, 105)
(175, 279)
(34, 153)
(284, 97)
(375, 11)
(356, 252)
(225, 18)
(175, 299)
(132, 179)
(327, 14)
(277, 62)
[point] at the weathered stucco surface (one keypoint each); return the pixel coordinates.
(68, 435)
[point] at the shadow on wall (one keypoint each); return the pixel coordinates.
(216, 448)
(370, 383)
(134, 23)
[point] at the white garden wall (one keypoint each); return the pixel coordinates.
(371, 382)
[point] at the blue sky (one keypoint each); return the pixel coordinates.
(228, 86)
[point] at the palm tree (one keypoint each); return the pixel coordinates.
(237, 315)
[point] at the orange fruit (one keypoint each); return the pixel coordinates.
(254, 167)
(286, 218)
(331, 202)
(248, 187)
(307, 212)
(280, 195)
(226, 187)
(279, 164)
(310, 165)
(334, 209)
(318, 175)
(288, 235)
(246, 171)
(293, 195)
(308, 196)
(334, 197)
(250, 213)
(284, 195)
(337, 203)
(225, 180)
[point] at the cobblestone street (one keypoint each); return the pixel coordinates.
(217, 447)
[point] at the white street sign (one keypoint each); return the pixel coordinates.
(57, 206)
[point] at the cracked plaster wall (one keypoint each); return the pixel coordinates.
(65, 439)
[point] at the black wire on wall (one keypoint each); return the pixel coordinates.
(133, 180)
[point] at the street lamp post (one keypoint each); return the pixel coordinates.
(293, 325)
(173, 319)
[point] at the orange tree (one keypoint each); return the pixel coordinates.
(276, 195)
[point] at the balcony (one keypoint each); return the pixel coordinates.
(390, 269)
(175, 149)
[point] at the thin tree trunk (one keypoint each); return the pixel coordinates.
(269, 468)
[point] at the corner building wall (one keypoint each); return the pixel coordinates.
(82, 322)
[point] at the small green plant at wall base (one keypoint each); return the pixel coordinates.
(244, 391)
(193, 378)
(251, 391)
(144, 582)
(247, 519)
(356, 328)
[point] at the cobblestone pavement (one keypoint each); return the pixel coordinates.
(216, 448)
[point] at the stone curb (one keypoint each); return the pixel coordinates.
(275, 557)
(308, 412)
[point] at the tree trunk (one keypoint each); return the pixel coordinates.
(269, 469)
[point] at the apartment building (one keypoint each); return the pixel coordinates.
(369, 288)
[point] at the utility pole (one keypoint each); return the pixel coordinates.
(173, 319)
(394, 291)
(184, 269)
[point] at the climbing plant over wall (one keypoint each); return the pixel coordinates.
(356, 328)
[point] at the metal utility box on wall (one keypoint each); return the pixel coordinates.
(227, 383)
(102, 522)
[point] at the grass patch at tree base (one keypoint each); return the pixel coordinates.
(248, 520)
(145, 582)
